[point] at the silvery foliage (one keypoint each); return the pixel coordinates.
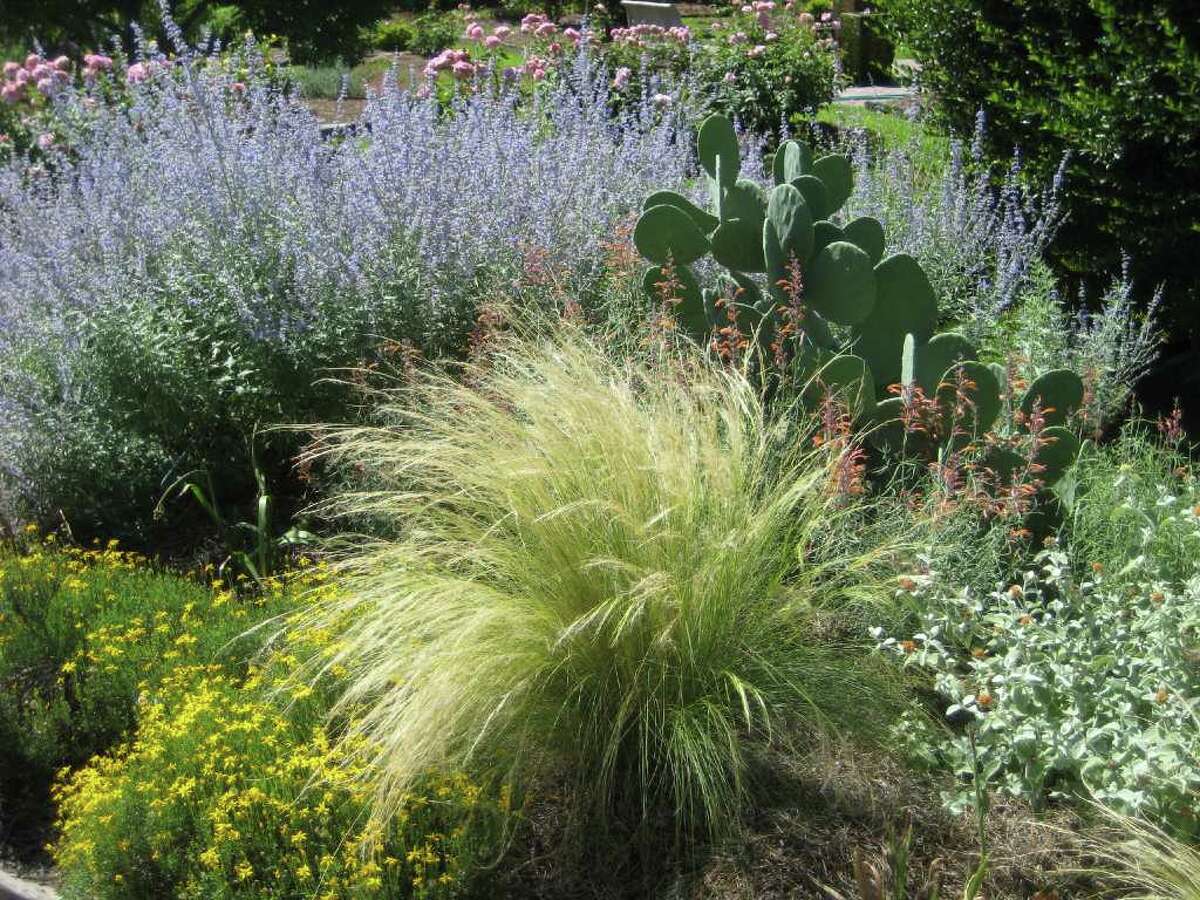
(197, 256)
(1073, 685)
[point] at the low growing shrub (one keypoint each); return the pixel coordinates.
(1079, 675)
(611, 569)
(234, 790)
(80, 631)
(84, 635)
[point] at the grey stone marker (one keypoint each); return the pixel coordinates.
(643, 12)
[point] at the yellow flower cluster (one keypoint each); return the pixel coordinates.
(261, 800)
(234, 786)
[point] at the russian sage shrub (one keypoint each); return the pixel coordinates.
(194, 260)
(982, 238)
(976, 235)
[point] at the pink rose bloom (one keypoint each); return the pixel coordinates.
(63, 64)
(32, 61)
(730, 78)
(826, 16)
(22, 76)
(10, 93)
(475, 32)
(10, 69)
(463, 69)
(41, 71)
(538, 74)
(442, 61)
(546, 29)
(661, 100)
(97, 61)
(45, 140)
(238, 87)
(572, 35)
(502, 31)
(137, 73)
(492, 42)
(621, 77)
(45, 86)
(555, 48)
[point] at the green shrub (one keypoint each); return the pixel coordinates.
(233, 791)
(794, 73)
(435, 31)
(1079, 674)
(610, 568)
(1115, 83)
(394, 36)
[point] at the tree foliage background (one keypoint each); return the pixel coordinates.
(315, 29)
(1116, 83)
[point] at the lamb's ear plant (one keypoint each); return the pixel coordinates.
(595, 570)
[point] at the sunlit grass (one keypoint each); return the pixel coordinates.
(601, 568)
(1141, 861)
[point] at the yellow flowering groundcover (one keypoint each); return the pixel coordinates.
(192, 762)
(231, 791)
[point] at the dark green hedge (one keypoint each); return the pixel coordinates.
(1117, 83)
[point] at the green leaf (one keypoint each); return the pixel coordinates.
(867, 233)
(841, 283)
(704, 220)
(738, 246)
(717, 139)
(815, 195)
(837, 176)
(904, 304)
(667, 232)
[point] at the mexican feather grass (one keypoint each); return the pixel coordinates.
(601, 568)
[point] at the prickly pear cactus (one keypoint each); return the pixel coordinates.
(782, 234)
(779, 246)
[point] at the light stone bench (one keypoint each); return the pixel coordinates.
(643, 12)
(13, 888)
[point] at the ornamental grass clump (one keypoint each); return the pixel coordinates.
(609, 570)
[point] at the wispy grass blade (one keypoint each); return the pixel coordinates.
(595, 569)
